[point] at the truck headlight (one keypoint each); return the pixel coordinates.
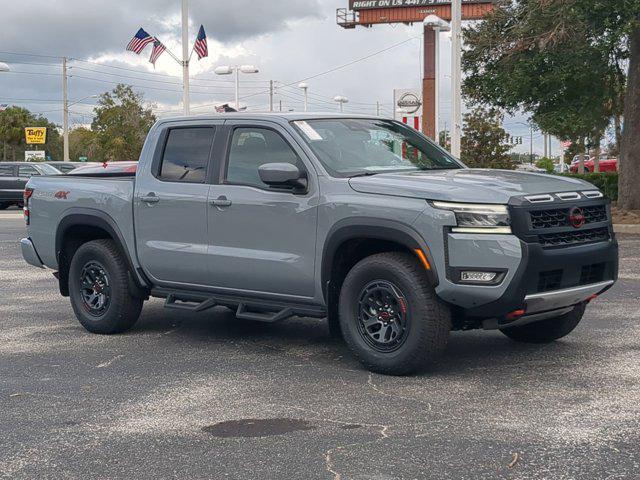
(478, 218)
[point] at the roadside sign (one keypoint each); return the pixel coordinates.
(83, 159)
(34, 156)
(35, 135)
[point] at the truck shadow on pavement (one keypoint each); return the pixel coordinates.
(309, 338)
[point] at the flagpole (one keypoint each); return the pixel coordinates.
(185, 56)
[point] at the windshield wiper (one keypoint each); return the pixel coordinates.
(364, 174)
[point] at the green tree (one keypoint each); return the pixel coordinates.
(13, 121)
(563, 61)
(83, 142)
(121, 123)
(484, 141)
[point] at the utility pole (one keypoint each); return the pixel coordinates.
(271, 95)
(546, 145)
(185, 56)
(280, 105)
(531, 146)
(65, 111)
(377, 108)
(456, 76)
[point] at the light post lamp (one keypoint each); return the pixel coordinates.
(305, 89)
(341, 100)
(228, 70)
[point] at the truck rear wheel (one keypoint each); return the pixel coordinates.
(548, 330)
(390, 316)
(99, 289)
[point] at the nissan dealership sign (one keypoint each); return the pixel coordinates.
(408, 102)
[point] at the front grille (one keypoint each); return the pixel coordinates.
(559, 217)
(575, 237)
(592, 273)
(549, 280)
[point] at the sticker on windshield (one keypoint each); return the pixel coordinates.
(308, 130)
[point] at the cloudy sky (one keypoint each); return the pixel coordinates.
(288, 40)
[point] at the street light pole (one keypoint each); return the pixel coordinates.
(237, 69)
(305, 89)
(65, 112)
(341, 100)
(185, 57)
(456, 76)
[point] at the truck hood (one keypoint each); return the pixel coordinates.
(466, 185)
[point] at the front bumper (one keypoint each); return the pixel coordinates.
(559, 265)
(29, 253)
(589, 269)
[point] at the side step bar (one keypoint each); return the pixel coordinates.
(246, 308)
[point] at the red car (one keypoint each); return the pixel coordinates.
(606, 165)
(116, 168)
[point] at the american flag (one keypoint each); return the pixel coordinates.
(201, 44)
(139, 41)
(158, 49)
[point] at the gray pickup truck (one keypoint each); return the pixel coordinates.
(361, 220)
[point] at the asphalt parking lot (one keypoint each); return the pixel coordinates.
(188, 395)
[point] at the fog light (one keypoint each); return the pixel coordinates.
(480, 277)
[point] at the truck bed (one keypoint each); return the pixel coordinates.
(56, 197)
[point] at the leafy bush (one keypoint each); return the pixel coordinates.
(606, 182)
(546, 163)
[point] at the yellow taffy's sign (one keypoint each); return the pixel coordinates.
(35, 135)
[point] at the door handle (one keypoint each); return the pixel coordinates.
(221, 202)
(150, 198)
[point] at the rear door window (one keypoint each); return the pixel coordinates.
(186, 154)
(7, 171)
(27, 171)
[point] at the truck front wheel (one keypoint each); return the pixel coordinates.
(99, 289)
(548, 330)
(389, 314)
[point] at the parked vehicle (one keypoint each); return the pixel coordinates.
(529, 167)
(66, 167)
(13, 178)
(576, 158)
(605, 165)
(360, 219)
(106, 168)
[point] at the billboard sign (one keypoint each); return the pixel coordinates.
(372, 4)
(35, 135)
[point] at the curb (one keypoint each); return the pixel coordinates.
(630, 229)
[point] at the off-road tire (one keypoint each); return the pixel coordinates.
(123, 308)
(429, 320)
(546, 331)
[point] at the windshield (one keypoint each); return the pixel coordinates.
(348, 147)
(49, 170)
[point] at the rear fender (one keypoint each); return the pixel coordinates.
(79, 217)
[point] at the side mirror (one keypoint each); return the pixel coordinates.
(282, 175)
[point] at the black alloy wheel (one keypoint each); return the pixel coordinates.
(383, 320)
(96, 288)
